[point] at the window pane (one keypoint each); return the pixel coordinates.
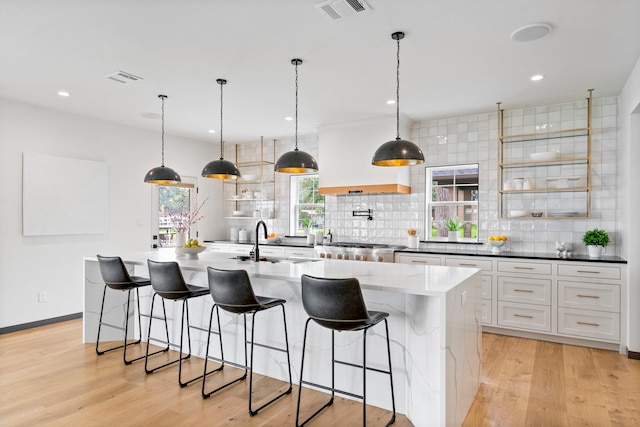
(307, 205)
(173, 203)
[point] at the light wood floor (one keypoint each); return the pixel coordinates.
(47, 377)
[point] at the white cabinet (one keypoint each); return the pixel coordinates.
(589, 303)
(566, 301)
(290, 252)
(272, 251)
(418, 259)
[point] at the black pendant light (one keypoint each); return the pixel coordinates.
(398, 152)
(296, 161)
(162, 175)
(221, 169)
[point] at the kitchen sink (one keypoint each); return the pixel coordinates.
(277, 260)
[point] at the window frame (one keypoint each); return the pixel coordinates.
(294, 222)
(188, 183)
(430, 204)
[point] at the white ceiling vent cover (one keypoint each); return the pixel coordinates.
(337, 9)
(123, 77)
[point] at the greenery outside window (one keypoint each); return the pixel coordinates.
(306, 205)
(454, 195)
(173, 201)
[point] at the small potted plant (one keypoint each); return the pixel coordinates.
(453, 225)
(595, 240)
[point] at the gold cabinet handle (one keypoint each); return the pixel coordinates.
(297, 253)
(418, 261)
(522, 315)
(588, 272)
(462, 264)
(589, 324)
(529, 291)
(588, 296)
(522, 268)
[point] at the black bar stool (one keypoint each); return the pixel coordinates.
(338, 304)
(168, 283)
(115, 276)
(231, 291)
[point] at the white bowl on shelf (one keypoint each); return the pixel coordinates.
(249, 177)
(518, 213)
(544, 156)
(237, 213)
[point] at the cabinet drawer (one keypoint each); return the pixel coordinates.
(418, 259)
(486, 312)
(487, 280)
(240, 249)
(589, 271)
(589, 324)
(271, 251)
(524, 290)
(589, 296)
(298, 252)
(482, 264)
(524, 267)
(524, 316)
(214, 247)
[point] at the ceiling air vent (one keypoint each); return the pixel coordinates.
(337, 9)
(123, 77)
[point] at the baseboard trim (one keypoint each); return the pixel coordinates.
(633, 355)
(38, 323)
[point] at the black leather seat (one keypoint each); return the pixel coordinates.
(115, 276)
(168, 283)
(231, 291)
(338, 304)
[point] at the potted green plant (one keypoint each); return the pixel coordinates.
(307, 223)
(595, 240)
(453, 225)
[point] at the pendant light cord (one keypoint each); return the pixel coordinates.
(398, 92)
(221, 141)
(296, 63)
(162, 97)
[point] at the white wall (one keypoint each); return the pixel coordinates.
(629, 105)
(53, 264)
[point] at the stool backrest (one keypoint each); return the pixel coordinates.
(166, 279)
(114, 273)
(231, 290)
(334, 303)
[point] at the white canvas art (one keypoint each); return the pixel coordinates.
(61, 195)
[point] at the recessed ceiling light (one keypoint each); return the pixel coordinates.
(212, 131)
(537, 77)
(531, 32)
(63, 93)
(288, 118)
(391, 102)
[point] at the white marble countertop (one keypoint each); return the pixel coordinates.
(410, 279)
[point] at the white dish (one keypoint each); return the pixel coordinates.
(236, 197)
(518, 213)
(274, 240)
(562, 181)
(190, 252)
(249, 177)
(563, 214)
(544, 156)
(238, 213)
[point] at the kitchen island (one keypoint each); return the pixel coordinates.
(434, 326)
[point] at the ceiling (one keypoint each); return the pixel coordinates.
(457, 58)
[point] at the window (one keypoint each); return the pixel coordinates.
(454, 195)
(306, 204)
(173, 203)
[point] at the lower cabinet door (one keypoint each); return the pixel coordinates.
(524, 316)
(589, 324)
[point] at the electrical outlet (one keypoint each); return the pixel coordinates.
(42, 296)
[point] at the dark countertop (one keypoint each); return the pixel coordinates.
(300, 242)
(515, 255)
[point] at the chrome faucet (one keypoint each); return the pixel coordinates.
(256, 251)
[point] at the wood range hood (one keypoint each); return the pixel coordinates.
(345, 153)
